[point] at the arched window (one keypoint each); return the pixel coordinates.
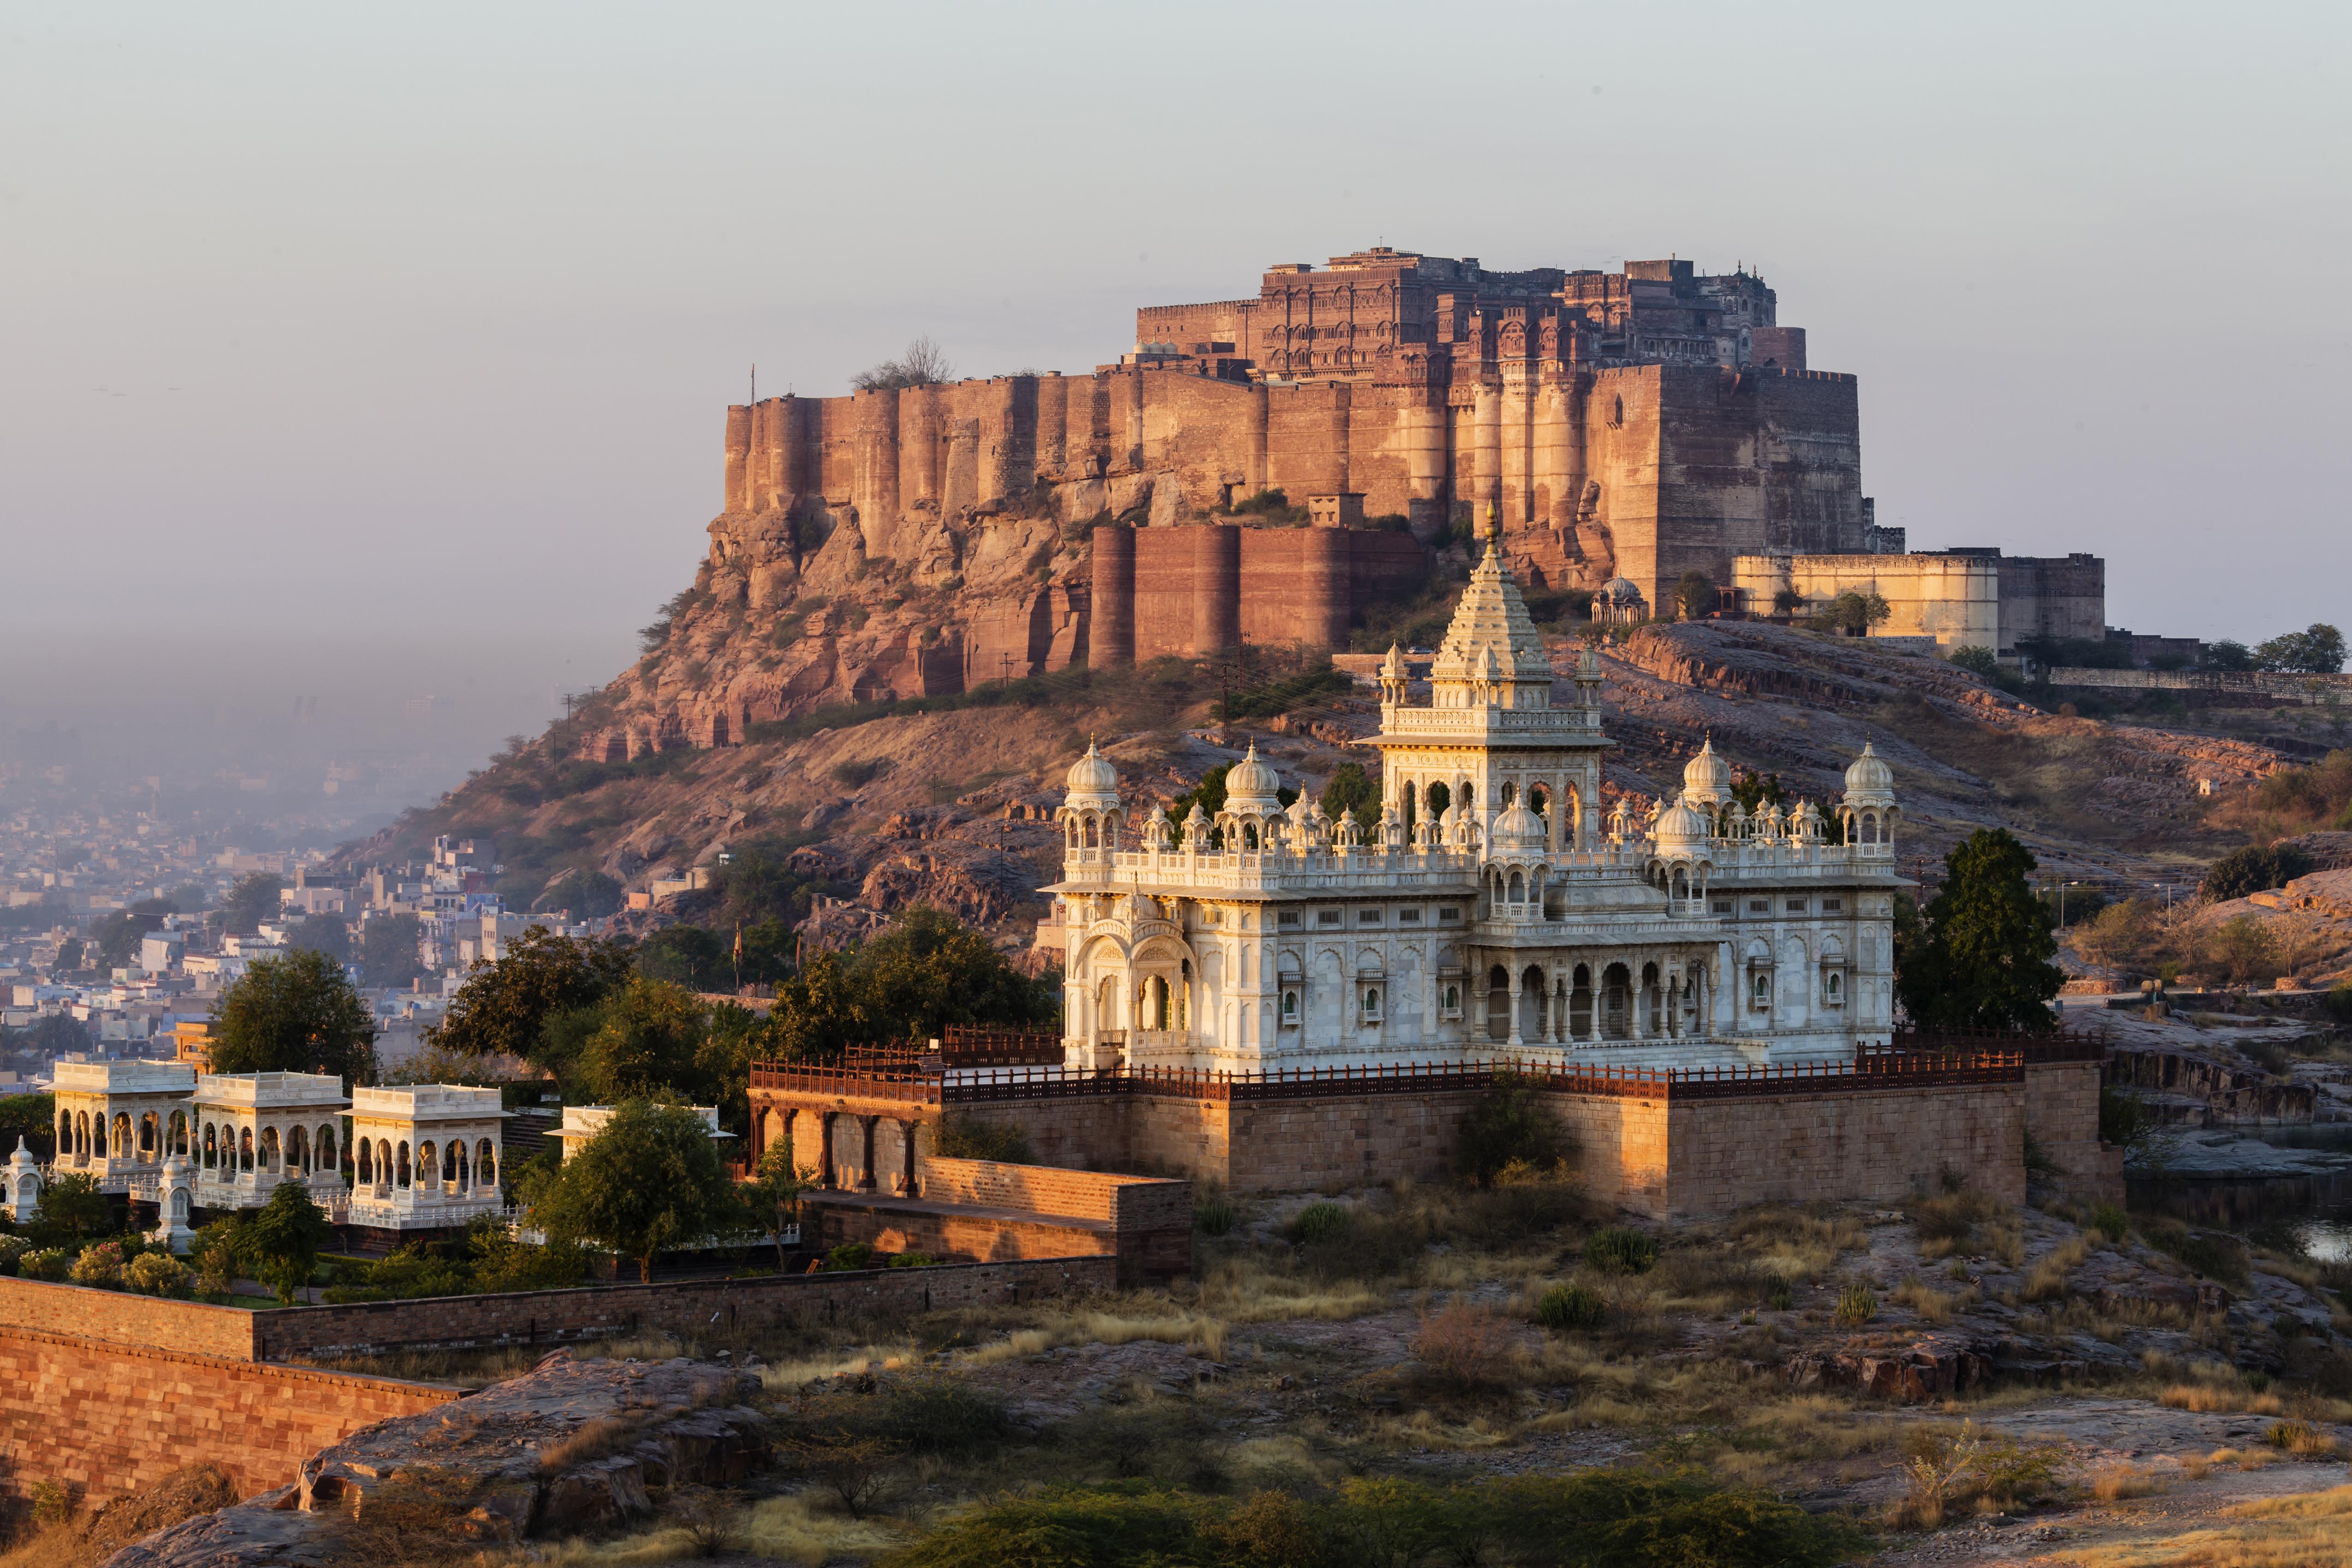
(298, 1150)
(1518, 894)
(1617, 412)
(1763, 989)
(122, 1134)
(65, 1133)
(465, 1167)
(400, 1164)
(449, 1161)
(428, 1167)
(270, 1148)
(486, 1164)
(212, 1151)
(1835, 988)
(149, 1136)
(93, 1135)
(1290, 1007)
(382, 1163)
(322, 1150)
(245, 1148)
(1371, 1002)
(180, 1132)
(1249, 836)
(366, 1163)
(1454, 998)
(1090, 833)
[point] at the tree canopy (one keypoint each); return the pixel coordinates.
(388, 950)
(1694, 594)
(1978, 956)
(118, 936)
(924, 363)
(503, 1006)
(649, 1181)
(2317, 649)
(284, 1240)
(2255, 869)
(294, 1013)
(253, 900)
(1351, 789)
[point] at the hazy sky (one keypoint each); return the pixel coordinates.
(380, 350)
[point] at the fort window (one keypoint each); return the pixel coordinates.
(1722, 906)
(1286, 919)
(1367, 917)
(1762, 991)
(212, 1151)
(1371, 1004)
(1796, 906)
(400, 1164)
(1446, 914)
(1452, 1004)
(1617, 412)
(1289, 1009)
(1408, 917)
(1832, 906)
(1833, 990)
(1759, 906)
(1327, 916)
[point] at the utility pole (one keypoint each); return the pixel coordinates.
(755, 381)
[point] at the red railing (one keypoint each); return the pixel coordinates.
(966, 1046)
(1887, 1068)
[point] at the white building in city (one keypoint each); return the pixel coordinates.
(252, 1130)
(425, 1156)
(117, 1121)
(1493, 912)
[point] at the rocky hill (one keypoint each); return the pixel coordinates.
(883, 795)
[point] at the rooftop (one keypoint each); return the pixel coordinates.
(428, 1102)
(125, 1078)
(271, 1090)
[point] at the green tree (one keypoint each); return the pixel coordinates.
(1980, 955)
(388, 950)
(1974, 660)
(73, 1205)
(31, 1116)
(774, 1193)
(648, 1045)
(252, 900)
(69, 954)
(649, 1181)
(1352, 790)
(1852, 613)
(321, 934)
(503, 1006)
(1507, 1126)
(2229, 656)
(118, 936)
(294, 1013)
(584, 895)
(2244, 949)
(2317, 650)
(826, 1008)
(686, 955)
(1694, 594)
(2256, 869)
(929, 970)
(284, 1240)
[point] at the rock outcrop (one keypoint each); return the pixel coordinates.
(569, 1447)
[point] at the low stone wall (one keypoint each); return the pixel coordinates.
(111, 1419)
(1871, 1145)
(699, 1307)
(944, 1230)
(127, 1320)
(1129, 1202)
(2061, 1117)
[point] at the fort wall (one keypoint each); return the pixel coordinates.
(112, 1418)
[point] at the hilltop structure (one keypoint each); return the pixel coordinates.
(1493, 912)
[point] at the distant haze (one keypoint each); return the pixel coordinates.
(383, 353)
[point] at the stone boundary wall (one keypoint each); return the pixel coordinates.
(2061, 1117)
(893, 1226)
(1881, 1145)
(2313, 688)
(689, 1308)
(112, 1418)
(1129, 1202)
(121, 1319)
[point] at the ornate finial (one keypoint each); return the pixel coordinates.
(1494, 525)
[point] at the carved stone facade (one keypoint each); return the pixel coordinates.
(1494, 910)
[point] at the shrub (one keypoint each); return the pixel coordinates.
(911, 1260)
(1857, 1304)
(1621, 1249)
(2300, 1437)
(49, 1264)
(159, 1274)
(1465, 1344)
(2253, 869)
(12, 1252)
(1570, 1306)
(2110, 1222)
(2124, 1117)
(1508, 1126)
(849, 1255)
(1319, 1223)
(100, 1265)
(1781, 1299)
(1213, 1217)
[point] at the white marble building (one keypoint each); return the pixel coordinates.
(1493, 912)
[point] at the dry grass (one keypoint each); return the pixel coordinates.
(1195, 1331)
(2218, 1396)
(1467, 1345)
(592, 1439)
(1932, 1305)
(2047, 1280)
(51, 1546)
(2114, 1483)
(2303, 1439)
(1241, 1291)
(789, 1529)
(1793, 1244)
(2309, 1530)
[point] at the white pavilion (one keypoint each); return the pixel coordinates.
(1493, 912)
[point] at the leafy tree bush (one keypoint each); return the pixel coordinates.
(1852, 612)
(1976, 660)
(502, 1263)
(388, 950)
(2229, 656)
(49, 1263)
(12, 1253)
(685, 955)
(294, 1013)
(1319, 1223)
(1351, 790)
(2256, 869)
(1857, 1304)
(252, 900)
(648, 1044)
(1980, 955)
(649, 1181)
(1621, 1249)
(100, 1265)
(73, 1205)
(1694, 594)
(2317, 650)
(321, 934)
(924, 363)
(850, 1255)
(2243, 948)
(284, 1240)
(584, 895)
(159, 1274)
(2320, 796)
(69, 954)
(503, 1007)
(1214, 1215)
(1508, 1125)
(117, 937)
(1570, 1306)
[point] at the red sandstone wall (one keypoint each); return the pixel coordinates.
(2062, 1116)
(1876, 1145)
(1130, 1203)
(842, 1218)
(127, 1320)
(112, 1418)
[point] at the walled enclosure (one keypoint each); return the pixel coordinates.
(1664, 1154)
(991, 1210)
